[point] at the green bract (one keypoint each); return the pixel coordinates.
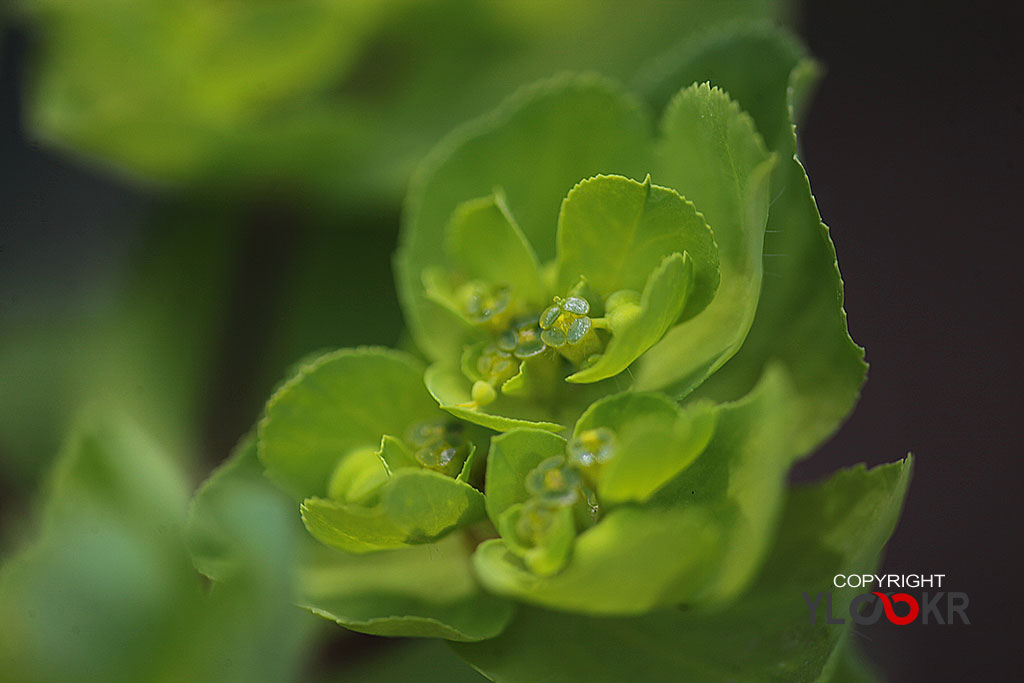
(356, 436)
(600, 334)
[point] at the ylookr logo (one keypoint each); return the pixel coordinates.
(933, 607)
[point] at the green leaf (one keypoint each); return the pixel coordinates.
(836, 527)
(422, 590)
(632, 561)
(740, 478)
(750, 61)
(711, 153)
(394, 454)
(419, 591)
(453, 391)
(236, 510)
(536, 147)
(800, 319)
(614, 232)
(107, 592)
(655, 440)
(640, 326)
(416, 506)
(487, 245)
(512, 455)
(344, 400)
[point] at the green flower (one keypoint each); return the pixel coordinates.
(532, 312)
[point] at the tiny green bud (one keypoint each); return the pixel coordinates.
(483, 393)
(530, 343)
(554, 482)
(534, 519)
(592, 448)
(507, 340)
(496, 365)
(441, 446)
(439, 457)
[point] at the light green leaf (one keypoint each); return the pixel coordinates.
(836, 527)
(394, 454)
(344, 400)
(107, 592)
(486, 244)
(512, 455)
(655, 441)
(236, 504)
(416, 506)
(665, 296)
(632, 561)
(453, 391)
(419, 591)
(535, 147)
(422, 590)
(800, 319)
(614, 232)
(740, 477)
(711, 153)
(551, 551)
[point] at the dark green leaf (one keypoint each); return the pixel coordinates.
(836, 527)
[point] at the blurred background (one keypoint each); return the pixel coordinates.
(197, 194)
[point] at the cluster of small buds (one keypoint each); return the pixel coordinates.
(566, 481)
(590, 450)
(554, 482)
(440, 446)
(563, 327)
(486, 305)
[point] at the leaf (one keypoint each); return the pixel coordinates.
(711, 153)
(416, 506)
(107, 592)
(614, 232)
(344, 400)
(512, 455)
(665, 296)
(453, 392)
(800, 319)
(423, 590)
(535, 147)
(655, 441)
(631, 562)
(750, 61)
(487, 245)
(235, 510)
(740, 477)
(836, 527)
(418, 591)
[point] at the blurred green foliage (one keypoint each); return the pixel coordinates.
(279, 137)
(107, 591)
(336, 99)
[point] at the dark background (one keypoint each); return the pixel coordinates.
(913, 145)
